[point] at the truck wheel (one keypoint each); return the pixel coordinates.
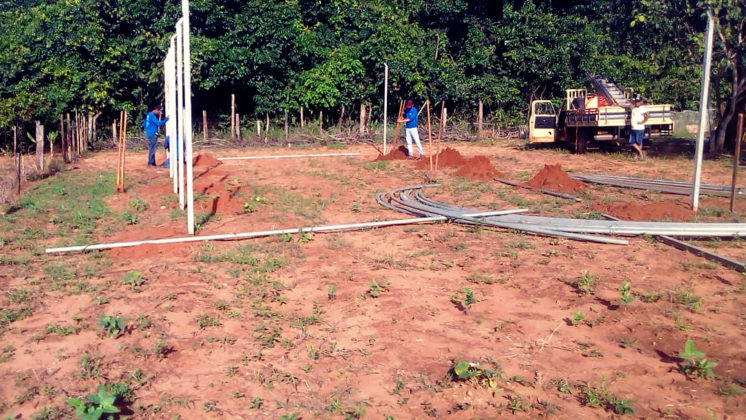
(581, 141)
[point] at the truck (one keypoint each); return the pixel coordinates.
(602, 116)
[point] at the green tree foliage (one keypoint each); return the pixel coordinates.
(104, 55)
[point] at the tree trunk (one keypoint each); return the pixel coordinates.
(362, 119)
(738, 89)
(341, 116)
(204, 125)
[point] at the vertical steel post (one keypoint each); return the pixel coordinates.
(703, 105)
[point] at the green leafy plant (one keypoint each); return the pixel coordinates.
(139, 205)
(112, 325)
(696, 364)
(135, 280)
(305, 237)
(466, 299)
(130, 218)
(331, 292)
(625, 293)
(577, 318)
(623, 406)
(586, 284)
(469, 371)
(286, 237)
(376, 289)
(96, 407)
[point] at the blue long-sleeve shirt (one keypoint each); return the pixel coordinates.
(152, 124)
(411, 115)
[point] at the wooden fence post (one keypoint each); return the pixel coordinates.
(238, 127)
(204, 125)
(480, 120)
(69, 139)
(321, 121)
(362, 118)
(39, 147)
(302, 121)
(19, 158)
(233, 116)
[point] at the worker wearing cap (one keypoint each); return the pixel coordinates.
(410, 118)
(151, 124)
(638, 117)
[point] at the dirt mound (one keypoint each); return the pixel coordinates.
(447, 158)
(479, 167)
(400, 153)
(662, 210)
(204, 160)
(553, 178)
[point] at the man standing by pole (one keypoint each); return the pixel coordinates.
(151, 126)
(638, 117)
(410, 118)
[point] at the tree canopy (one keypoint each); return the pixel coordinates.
(102, 55)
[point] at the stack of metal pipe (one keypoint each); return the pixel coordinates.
(660, 185)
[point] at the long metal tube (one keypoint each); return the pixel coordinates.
(648, 181)
(257, 234)
(287, 156)
(404, 200)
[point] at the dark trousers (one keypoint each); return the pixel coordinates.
(151, 152)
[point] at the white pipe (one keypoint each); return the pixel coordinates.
(180, 106)
(188, 117)
(703, 105)
(385, 102)
(247, 235)
(288, 156)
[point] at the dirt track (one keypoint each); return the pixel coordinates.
(237, 321)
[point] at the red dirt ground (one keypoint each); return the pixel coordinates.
(661, 210)
(284, 338)
(479, 167)
(204, 160)
(400, 153)
(553, 178)
(447, 158)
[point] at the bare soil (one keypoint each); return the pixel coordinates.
(370, 323)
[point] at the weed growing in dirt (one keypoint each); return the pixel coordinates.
(517, 404)
(134, 280)
(465, 300)
(577, 318)
(696, 364)
(331, 292)
(7, 353)
(476, 373)
(688, 299)
(601, 397)
(586, 285)
(256, 403)
(112, 325)
(90, 366)
(562, 385)
(624, 293)
(375, 289)
(204, 321)
(730, 390)
(97, 405)
(484, 278)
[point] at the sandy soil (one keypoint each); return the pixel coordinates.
(364, 324)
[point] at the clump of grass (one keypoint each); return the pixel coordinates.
(586, 284)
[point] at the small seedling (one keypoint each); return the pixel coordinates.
(134, 280)
(97, 405)
(305, 237)
(577, 318)
(249, 207)
(464, 371)
(624, 293)
(130, 218)
(112, 325)
(286, 237)
(586, 285)
(356, 207)
(466, 299)
(331, 292)
(375, 289)
(139, 205)
(623, 407)
(696, 363)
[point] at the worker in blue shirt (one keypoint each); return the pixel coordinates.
(410, 118)
(151, 126)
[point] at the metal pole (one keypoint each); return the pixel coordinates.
(288, 156)
(703, 105)
(247, 235)
(385, 103)
(167, 104)
(180, 106)
(188, 117)
(736, 159)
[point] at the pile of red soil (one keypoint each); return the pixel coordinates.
(662, 210)
(479, 167)
(553, 178)
(205, 160)
(400, 153)
(447, 158)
